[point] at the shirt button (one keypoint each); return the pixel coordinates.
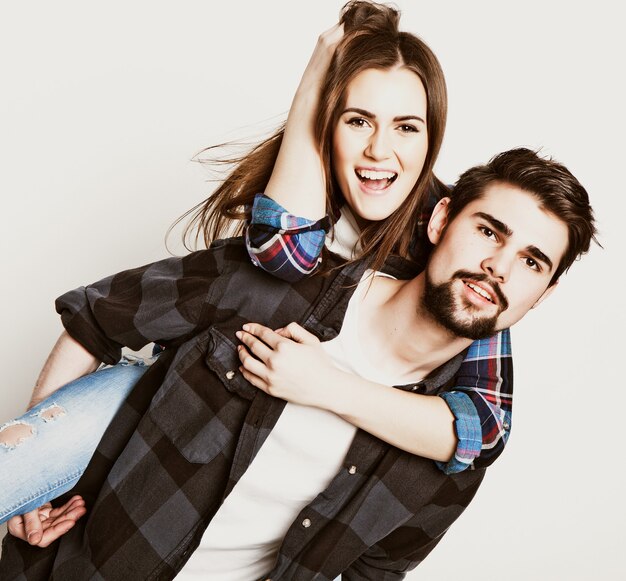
(352, 470)
(230, 374)
(506, 426)
(306, 523)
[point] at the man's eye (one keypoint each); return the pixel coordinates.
(488, 232)
(532, 263)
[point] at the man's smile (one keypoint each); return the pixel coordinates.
(483, 291)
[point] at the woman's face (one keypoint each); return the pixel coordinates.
(380, 141)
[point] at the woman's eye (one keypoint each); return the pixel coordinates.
(357, 122)
(408, 129)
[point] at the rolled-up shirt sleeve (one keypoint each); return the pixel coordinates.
(468, 432)
(286, 246)
(158, 302)
(482, 403)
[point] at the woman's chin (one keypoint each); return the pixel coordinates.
(371, 213)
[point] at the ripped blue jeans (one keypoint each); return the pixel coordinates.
(44, 452)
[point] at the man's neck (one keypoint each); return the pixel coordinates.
(398, 333)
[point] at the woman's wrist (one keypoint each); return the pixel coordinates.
(336, 391)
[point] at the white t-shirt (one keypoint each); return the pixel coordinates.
(300, 457)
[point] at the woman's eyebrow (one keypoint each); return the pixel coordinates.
(371, 115)
(360, 112)
(409, 118)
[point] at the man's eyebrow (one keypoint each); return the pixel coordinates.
(504, 229)
(538, 255)
(370, 115)
(495, 223)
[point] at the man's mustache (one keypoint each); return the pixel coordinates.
(482, 277)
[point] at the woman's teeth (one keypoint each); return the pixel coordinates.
(370, 174)
(376, 179)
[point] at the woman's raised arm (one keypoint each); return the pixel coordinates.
(298, 182)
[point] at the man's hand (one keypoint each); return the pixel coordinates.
(288, 363)
(43, 526)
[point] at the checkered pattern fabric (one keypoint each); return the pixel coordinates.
(192, 426)
(284, 245)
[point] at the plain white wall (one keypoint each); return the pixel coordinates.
(103, 105)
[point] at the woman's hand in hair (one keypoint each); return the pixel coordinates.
(320, 59)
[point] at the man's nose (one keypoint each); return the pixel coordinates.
(378, 147)
(498, 266)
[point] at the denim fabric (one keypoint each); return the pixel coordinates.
(65, 430)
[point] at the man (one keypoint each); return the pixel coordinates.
(197, 448)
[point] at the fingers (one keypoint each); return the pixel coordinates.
(68, 509)
(62, 519)
(254, 379)
(252, 365)
(269, 337)
(15, 526)
(43, 526)
(255, 346)
(331, 37)
(33, 528)
(297, 333)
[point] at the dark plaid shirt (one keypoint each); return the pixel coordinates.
(193, 425)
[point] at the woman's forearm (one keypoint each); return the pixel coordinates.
(419, 424)
(301, 372)
(67, 361)
(298, 182)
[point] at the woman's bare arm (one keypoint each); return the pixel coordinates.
(298, 182)
(420, 424)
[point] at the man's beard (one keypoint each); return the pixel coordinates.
(453, 314)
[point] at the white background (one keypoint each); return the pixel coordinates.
(103, 105)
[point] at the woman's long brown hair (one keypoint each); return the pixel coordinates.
(371, 40)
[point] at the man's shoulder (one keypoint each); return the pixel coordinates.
(223, 255)
(401, 268)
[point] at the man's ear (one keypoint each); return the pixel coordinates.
(546, 294)
(438, 220)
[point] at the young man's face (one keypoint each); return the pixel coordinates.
(493, 262)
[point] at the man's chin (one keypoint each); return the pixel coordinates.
(452, 310)
(477, 328)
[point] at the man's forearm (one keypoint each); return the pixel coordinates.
(67, 361)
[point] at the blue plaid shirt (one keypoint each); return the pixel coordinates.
(290, 248)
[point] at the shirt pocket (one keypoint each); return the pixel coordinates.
(201, 406)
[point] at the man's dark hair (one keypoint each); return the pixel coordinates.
(554, 186)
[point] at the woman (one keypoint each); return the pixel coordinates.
(368, 29)
(286, 233)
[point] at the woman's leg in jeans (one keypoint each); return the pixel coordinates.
(44, 452)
